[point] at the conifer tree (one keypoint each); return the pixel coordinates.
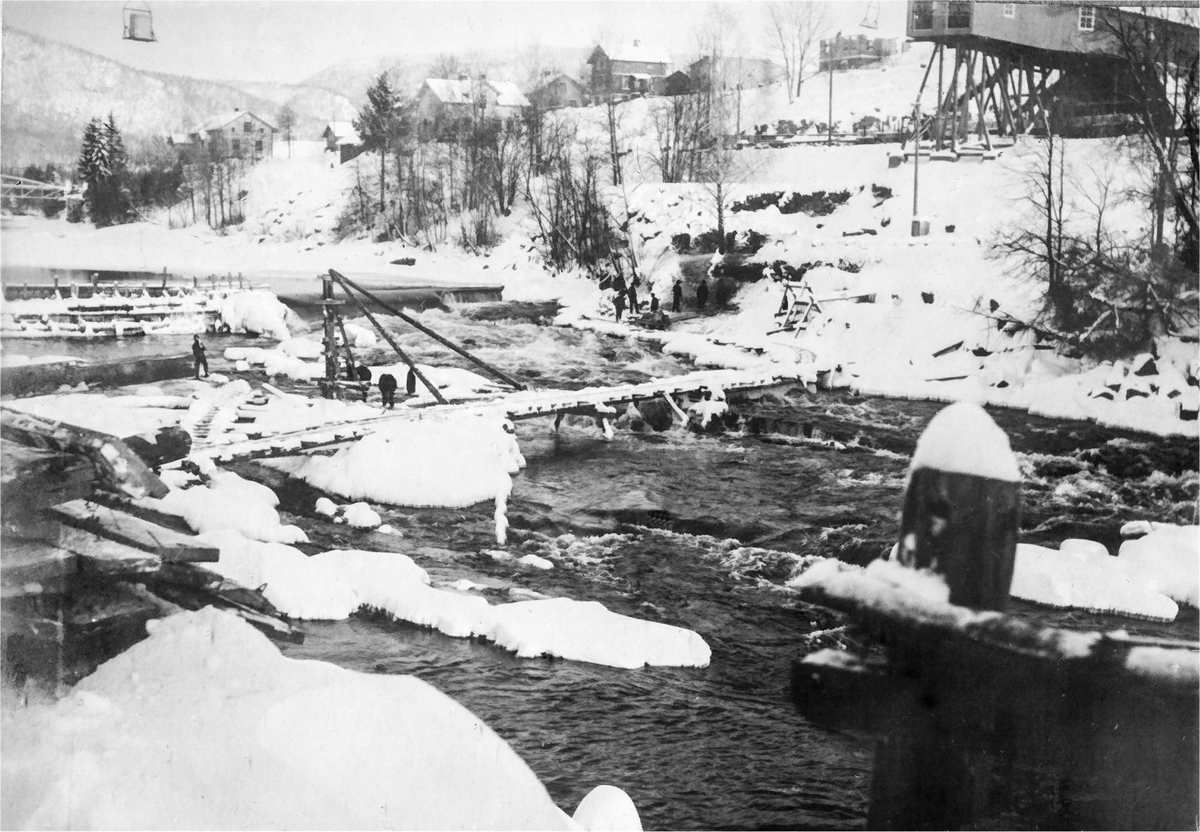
(378, 123)
(103, 169)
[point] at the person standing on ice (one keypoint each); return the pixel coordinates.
(677, 296)
(410, 382)
(198, 356)
(364, 375)
(619, 304)
(653, 303)
(387, 389)
(633, 299)
(702, 294)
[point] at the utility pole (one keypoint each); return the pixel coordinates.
(916, 222)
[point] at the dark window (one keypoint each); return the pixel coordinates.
(1010, 9)
(922, 14)
(237, 145)
(246, 127)
(959, 16)
(1087, 18)
(258, 145)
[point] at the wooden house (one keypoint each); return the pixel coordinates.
(445, 106)
(627, 72)
(237, 134)
(1021, 67)
(562, 91)
(857, 51)
(732, 73)
(341, 138)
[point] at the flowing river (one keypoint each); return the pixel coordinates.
(701, 532)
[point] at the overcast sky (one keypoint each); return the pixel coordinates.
(288, 40)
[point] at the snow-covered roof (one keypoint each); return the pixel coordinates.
(218, 121)
(508, 95)
(459, 92)
(637, 51)
(343, 132)
(450, 91)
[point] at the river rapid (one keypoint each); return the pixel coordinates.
(701, 532)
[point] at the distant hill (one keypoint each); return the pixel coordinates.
(50, 90)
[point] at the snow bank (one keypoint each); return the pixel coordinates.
(451, 460)
(229, 502)
(258, 312)
(1085, 579)
(204, 725)
(1167, 559)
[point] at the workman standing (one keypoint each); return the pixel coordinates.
(387, 389)
(677, 296)
(619, 304)
(702, 294)
(198, 356)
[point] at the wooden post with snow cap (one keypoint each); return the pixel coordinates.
(962, 507)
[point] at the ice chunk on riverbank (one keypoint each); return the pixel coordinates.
(362, 516)
(450, 461)
(607, 809)
(1167, 559)
(230, 502)
(205, 725)
(1085, 580)
(257, 312)
(587, 631)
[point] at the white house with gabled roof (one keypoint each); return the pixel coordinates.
(239, 133)
(444, 104)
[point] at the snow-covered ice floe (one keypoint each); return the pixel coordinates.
(205, 725)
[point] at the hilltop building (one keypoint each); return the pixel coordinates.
(858, 51)
(237, 134)
(341, 138)
(627, 72)
(561, 91)
(445, 106)
(1023, 67)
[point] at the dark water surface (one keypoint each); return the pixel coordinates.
(703, 532)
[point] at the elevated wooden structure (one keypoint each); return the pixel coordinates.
(1036, 67)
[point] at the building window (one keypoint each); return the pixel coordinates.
(922, 14)
(1010, 9)
(959, 16)
(258, 145)
(237, 146)
(245, 127)
(1087, 18)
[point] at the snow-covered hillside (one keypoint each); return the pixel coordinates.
(51, 90)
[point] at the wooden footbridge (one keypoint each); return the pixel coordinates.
(603, 404)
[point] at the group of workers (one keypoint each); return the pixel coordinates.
(627, 296)
(387, 385)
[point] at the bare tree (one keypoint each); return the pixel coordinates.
(1160, 61)
(447, 65)
(795, 29)
(287, 123)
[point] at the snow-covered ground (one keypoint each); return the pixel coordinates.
(270, 742)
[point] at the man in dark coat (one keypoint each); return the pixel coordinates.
(677, 296)
(387, 389)
(633, 299)
(702, 294)
(364, 375)
(198, 356)
(619, 304)
(410, 382)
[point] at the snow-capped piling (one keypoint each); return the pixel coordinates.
(962, 506)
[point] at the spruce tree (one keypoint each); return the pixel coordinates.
(378, 122)
(103, 169)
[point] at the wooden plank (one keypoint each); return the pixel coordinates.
(167, 544)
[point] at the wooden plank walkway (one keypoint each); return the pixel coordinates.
(602, 402)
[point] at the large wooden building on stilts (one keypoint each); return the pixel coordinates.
(1007, 69)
